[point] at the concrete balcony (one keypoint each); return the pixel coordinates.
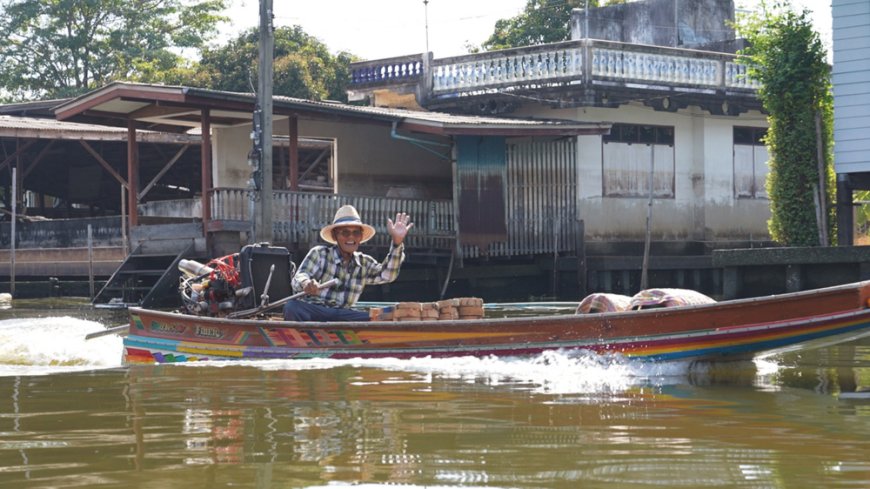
(567, 74)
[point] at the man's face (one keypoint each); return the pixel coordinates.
(348, 238)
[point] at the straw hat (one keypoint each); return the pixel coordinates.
(346, 215)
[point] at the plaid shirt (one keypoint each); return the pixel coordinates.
(324, 263)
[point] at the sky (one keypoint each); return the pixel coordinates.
(377, 29)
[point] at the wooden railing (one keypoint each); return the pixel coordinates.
(575, 62)
(299, 216)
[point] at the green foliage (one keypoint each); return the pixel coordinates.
(787, 57)
(303, 66)
(59, 48)
(540, 22)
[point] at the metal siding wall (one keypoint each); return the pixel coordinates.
(851, 85)
(481, 173)
(541, 198)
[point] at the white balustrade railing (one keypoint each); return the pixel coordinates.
(571, 61)
(737, 76)
(650, 67)
(391, 70)
(511, 68)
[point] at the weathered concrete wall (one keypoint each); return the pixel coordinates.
(727, 217)
(698, 23)
(703, 206)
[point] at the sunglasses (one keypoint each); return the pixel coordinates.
(346, 233)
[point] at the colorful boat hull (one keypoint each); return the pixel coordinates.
(725, 330)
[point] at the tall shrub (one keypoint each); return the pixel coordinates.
(787, 57)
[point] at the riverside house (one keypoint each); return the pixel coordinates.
(686, 140)
(432, 165)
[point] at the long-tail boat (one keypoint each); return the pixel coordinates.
(734, 329)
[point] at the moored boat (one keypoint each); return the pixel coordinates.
(736, 329)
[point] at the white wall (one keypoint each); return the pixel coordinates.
(703, 206)
(230, 147)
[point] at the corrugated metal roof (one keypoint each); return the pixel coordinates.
(439, 117)
(101, 100)
(39, 124)
(41, 128)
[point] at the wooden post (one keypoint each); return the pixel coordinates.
(819, 213)
(293, 133)
(205, 168)
(91, 261)
(132, 174)
(124, 221)
(580, 247)
(12, 238)
(823, 198)
(644, 278)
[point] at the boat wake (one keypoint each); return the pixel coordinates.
(40, 346)
(554, 372)
(51, 345)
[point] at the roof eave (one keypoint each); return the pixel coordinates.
(484, 129)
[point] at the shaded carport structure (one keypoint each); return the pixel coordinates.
(76, 169)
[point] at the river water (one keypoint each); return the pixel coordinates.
(72, 416)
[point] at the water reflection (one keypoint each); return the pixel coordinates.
(374, 425)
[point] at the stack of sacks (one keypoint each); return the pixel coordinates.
(603, 302)
(651, 298)
(470, 308)
(407, 311)
(429, 311)
(448, 309)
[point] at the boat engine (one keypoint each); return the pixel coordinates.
(260, 273)
(213, 289)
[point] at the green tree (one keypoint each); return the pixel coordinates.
(58, 48)
(540, 22)
(303, 66)
(787, 57)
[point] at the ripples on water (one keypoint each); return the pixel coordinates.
(72, 416)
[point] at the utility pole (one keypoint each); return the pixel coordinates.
(263, 229)
(426, 22)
